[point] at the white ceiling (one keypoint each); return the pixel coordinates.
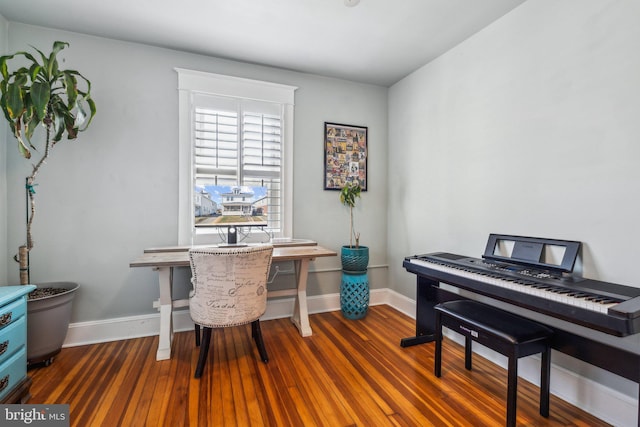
(377, 41)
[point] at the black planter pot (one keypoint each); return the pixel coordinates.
(48, 320)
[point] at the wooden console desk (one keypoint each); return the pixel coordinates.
(301, 252)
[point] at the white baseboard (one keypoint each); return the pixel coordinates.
(603, 402)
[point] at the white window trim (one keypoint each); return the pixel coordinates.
(189, 82)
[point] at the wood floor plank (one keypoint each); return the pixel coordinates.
(349, 373)
(113, 401)
(142, 371)
(305, 386)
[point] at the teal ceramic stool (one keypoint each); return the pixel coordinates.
(354, 294)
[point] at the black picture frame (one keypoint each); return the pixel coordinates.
(345, 155)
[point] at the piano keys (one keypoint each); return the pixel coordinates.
(538, 285)
(607, 307)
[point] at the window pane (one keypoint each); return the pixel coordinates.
(273, 199)
(221, 157)
(216, 141)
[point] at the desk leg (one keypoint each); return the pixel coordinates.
(165, 276)
(300, 312)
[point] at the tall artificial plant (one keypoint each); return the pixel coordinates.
(37, 93)
(348, 195)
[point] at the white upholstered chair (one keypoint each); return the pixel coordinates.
(229, 289)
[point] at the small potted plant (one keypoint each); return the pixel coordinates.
(353, 256)
(38, 93)
(354, 288)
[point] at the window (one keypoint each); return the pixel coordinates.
(235, 134)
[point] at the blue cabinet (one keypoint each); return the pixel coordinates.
(14, 383)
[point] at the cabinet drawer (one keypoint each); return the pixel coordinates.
(12, 338)
(11, 312)
(12, 371)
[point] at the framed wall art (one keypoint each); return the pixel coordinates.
(345, 156)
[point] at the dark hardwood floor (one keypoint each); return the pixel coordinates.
(349, 373)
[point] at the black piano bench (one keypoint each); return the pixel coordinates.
(503, 332)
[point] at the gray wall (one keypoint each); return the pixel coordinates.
(106, 196)
(529, 127)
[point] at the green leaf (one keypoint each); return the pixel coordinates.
(34, 71)
(71, 85)
(45, 63)
(3, 66)
(57, 47)
(58, 126)
(21, 77)
(54, 74)
(40, 92)
(92, 109)
(29, 127)
(15, 103)
(3, 103)
(53, 61)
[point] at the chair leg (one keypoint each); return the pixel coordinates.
(204, 351)
(197, 330)
(256, 333)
